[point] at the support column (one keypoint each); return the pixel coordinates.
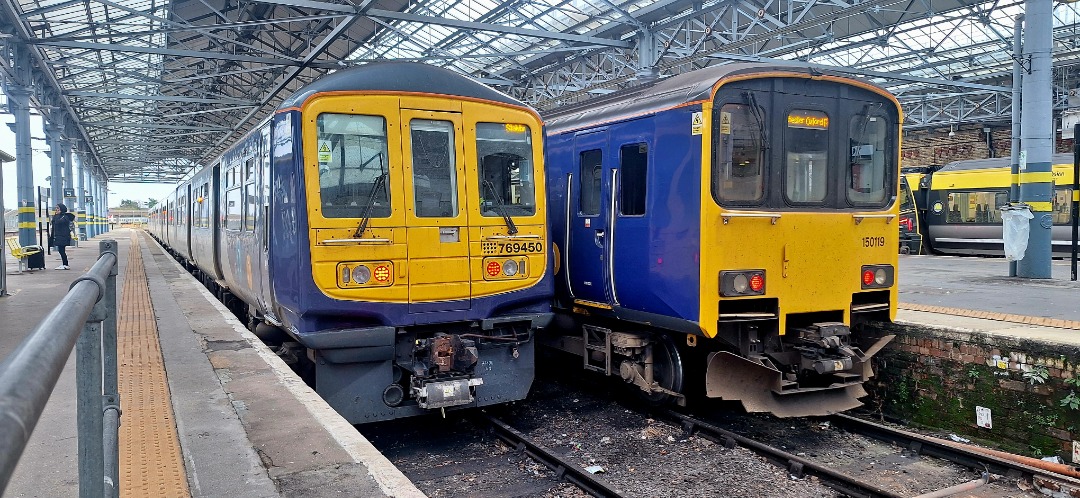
(19, 104)
(53, 136)
(65, 151)
(1037, 138)
(1017, 85)
(80, 193)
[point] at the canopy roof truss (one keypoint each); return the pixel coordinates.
(148, 90)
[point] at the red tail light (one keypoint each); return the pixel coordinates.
(757, 282)
(867, 277)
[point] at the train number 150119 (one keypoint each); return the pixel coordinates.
(873, 241)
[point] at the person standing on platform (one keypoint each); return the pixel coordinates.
(62, 225)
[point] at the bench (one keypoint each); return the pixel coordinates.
(20, 252)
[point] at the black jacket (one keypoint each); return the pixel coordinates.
(62, 225)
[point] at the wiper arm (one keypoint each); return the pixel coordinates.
(758, 113)
(366, 217)
(511, 228)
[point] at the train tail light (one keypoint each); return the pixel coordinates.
(742, 283)
(877, 276)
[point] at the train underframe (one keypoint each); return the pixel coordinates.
(383, 373)
(816, 368)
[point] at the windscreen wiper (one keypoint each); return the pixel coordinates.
(511, 229)
(380, 182)
(758, 113)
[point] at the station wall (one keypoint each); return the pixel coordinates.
(935, 146)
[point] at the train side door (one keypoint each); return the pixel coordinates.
(436, 210)
(588, 244)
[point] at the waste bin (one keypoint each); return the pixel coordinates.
(36, 261)
(1016, 228)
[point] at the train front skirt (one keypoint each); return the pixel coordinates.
(762, 388)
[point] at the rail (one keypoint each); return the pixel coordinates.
(86, 320)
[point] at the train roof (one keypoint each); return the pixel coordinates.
(665, 93)
(406, 77)
(996, 162)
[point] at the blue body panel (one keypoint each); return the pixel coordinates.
(654, 257)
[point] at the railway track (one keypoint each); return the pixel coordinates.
(563, 467)
(1048, 482)
(968, 456)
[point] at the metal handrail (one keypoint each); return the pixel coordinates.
(29, 374)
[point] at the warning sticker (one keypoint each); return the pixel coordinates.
(324, 151)
(696, 122)
(725, 123)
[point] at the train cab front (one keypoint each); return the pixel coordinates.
(799, 242)
(428, 252)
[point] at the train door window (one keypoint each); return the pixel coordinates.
(806, 156)
(251, 209)
(868, 171)
(591, 176)
(506, 169)
(434, 168)
(264, 168)
(739, 154)
(233, 199)
(352, 154)
(1062, 206)
(633, 169)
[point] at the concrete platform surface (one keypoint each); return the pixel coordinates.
(247, 425)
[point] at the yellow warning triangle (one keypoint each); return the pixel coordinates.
(725, 118)
(323, 147)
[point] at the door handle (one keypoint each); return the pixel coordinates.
(599, 238)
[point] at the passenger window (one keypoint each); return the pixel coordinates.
(506, 169)
(352, 156)
(233, 206)
(1062, 206)
(633, 169)
(739, 154)
(434, 168)
(867, 172)
(975, 207)
(806, 156)
(591, 177)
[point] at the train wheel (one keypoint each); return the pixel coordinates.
(667, 369)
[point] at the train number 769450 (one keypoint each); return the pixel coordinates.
(520, 247)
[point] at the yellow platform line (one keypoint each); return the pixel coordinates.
(990, 315)
(150, 461)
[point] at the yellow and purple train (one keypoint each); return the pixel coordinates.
(726, 231)
(388, 224)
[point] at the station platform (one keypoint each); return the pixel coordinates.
(976, 294)
(207, 409)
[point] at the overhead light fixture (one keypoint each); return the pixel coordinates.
(952, 131)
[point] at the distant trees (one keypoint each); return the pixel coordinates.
(130, 204)
(150, 203)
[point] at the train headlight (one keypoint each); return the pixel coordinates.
(877, 276)
(361, 274)
(510, 268)
(742, 283)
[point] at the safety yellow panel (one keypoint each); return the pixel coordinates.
(812, 260)
(997, 178)
(434, 258)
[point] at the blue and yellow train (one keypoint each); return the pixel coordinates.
(726, 231)
(390, 220)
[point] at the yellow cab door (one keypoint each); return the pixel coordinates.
(436, 205)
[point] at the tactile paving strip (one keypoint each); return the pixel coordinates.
(150, 461)
(990, 315)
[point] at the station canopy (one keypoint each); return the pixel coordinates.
(150, 90)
